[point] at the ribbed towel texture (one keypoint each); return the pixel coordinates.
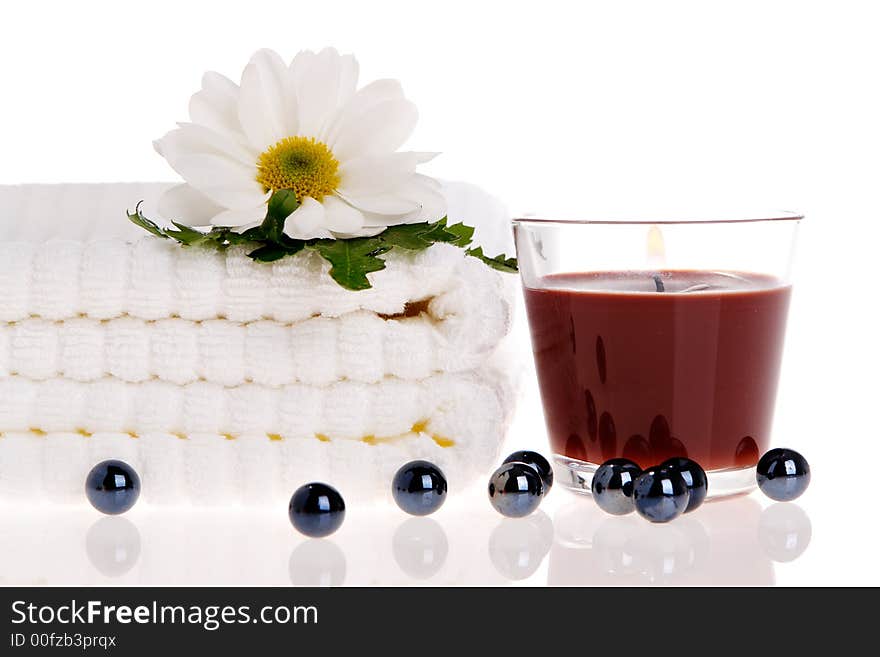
(108, 332)
(454, 420)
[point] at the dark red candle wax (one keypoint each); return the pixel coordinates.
(626, 369)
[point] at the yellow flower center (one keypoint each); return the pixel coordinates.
(301, 164)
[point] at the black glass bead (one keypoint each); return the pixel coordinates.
(612, 485)
(695, 478)
(316, 510)
(515, 489)
(536, 461)
(419, 488)
(113, 487)
(660, 494)
(783, 474)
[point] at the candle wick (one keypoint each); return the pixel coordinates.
(658, 282)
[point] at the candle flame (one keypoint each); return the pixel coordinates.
(655, 248)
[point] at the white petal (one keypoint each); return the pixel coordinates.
(192, 139)
(349, 69)
(376, 174)
(340, 217)
(225, 181)
(187, 205)
(426, 192)
(425, 157)
(381, 129)
(306, 220)
(371, 95)
(323, 82)
(433, 183)
(266, 107)
(421, 191)
(240, 219)
(385, 204)
(366, 231)
(432, 202)
(216, 105)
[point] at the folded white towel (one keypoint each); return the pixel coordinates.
(358, 346)
(223, 380)
(346, 410)
(355, 435)
(156, 279)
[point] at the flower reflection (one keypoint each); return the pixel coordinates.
(723, 543)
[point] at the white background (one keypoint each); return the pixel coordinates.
(596, 105)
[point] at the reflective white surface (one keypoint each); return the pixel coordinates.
(569, 542)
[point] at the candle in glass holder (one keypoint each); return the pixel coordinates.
(662, 356)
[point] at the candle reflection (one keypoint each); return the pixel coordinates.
(637, 450)
(746, 454)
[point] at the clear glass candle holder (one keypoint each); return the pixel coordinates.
(657, 339)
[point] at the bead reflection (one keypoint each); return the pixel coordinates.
(575, 448)
(746, 453)
(592, 416)
(518, 546)
(317, 562)
(668, 552)
(420, 547)
(637, 450)
(653, 553)
(784, 531)
(576, 522)
(716, 545)
(662, 443)
(113, 545)
(607, 436)
(601, 365)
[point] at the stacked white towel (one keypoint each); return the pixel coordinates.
(123, 344)
(454, 420)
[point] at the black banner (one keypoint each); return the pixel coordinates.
(246, 620)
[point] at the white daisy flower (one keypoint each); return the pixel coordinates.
(303, 127)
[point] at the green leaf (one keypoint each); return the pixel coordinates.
(140, 220)
(407, 236)
(180, 233)
(268, 253)
(499, 262)
(186, 235)
(352, 259)
(464, 234)
(281, 205)
(230, 238)
(440, 232)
